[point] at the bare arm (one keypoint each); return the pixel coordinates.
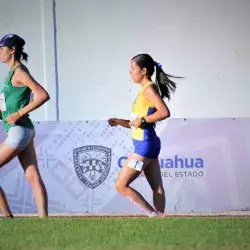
(162, 111)
(121, 122)
(124, 123)
(22, 77)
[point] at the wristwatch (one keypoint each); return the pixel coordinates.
(143, 122)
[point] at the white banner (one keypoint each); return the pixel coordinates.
(205, 166)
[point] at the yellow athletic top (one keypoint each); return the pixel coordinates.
(141, 108)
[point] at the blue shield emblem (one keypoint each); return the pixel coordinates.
(92, 164)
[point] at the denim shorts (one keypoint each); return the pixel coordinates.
(19, 137)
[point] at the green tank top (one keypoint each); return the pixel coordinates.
(15, 99)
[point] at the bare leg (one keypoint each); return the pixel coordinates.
(4, 207)
(153, 175)
(6, 155)
(29, 163)
(128, 175)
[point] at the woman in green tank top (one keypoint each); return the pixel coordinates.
(15, 106)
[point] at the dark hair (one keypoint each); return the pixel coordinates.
(20, 54)
(17, 42)
(162, 80)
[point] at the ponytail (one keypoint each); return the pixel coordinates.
(20, 54)
(164, 83)
(24, 56)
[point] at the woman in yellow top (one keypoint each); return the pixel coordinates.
(147, 109)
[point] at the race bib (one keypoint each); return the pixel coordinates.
(133, 116)
(135, 164)
(2, 102)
